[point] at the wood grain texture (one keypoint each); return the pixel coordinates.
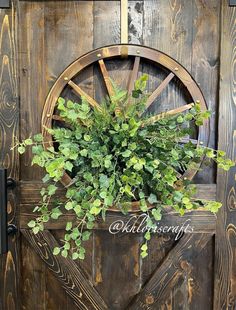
(133, 75)
(159, 89)
(44, 54)
(32, 271)
(225, 260)
(9, 126)
(168, 28)
(205, 67)
(189, 32)
(118, 281)
(175, 266)
(66, 271)
(135, 22)
(117, 265)
(181, 29)
(51, 36)
(158, 248)
(30, 197)
(81, 93)
(124, 21)
(106, 78)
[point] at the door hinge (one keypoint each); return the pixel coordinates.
(232, 2)
(4, 4)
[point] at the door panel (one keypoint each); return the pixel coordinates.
(61, 28)
(177, 274)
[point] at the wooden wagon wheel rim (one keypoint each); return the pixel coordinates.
(113, 51)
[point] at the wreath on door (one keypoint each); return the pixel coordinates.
(115, 154)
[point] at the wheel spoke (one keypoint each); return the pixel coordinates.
(134, 74)
(106, 78)
(159, 89)
(80, 92)
(157, 117)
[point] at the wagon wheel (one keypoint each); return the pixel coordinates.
(137, 52)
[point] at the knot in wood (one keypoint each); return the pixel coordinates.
(185, 266)
(149, 300)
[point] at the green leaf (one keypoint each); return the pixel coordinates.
(67, 246)
(21, 149)
(28, 141)
(56, 212)
(125, 126)
(103, 194)
(36, 229)
(103, 180)
(144, 254)
(64, 253)
(68, 166)
(147, 235)
(56, 251)
(37, 149)
(185, 200)
(84, 152)
(69, 205)
(109, 200)
(68, 226)
(81, 255)
(87, 138)
(140, 83)
(152, 198)
(144, 247)
(210, 153)
(75, 256)
(31, 224)
(126, 153)
(38, 137)
(95, 210)
(90, 225)
(51, 189)
(88, 176)
(77, 209)
(141, 195)
(97, 202)
(107, 163)
(180, 119)
(46, 178)
(86, 235)
(157, 214)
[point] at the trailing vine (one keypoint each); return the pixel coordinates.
(114, 158)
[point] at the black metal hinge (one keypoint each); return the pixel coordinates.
(232, 2)
(4, 4)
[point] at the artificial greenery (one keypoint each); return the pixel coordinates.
(115, 157)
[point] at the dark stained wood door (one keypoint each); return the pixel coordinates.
(39, 39)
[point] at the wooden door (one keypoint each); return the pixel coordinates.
(39, 39)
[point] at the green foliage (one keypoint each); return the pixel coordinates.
(113, 160)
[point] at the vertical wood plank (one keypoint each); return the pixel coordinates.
(116, 258)
(9, 120)
(33, 289)
(168, 28)
(106, 19)
(135, 22)
(205, 66)
(225, 247)
(51, 37)
(117, 267)
(158, 247)
(44, 54)
(200, 282)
